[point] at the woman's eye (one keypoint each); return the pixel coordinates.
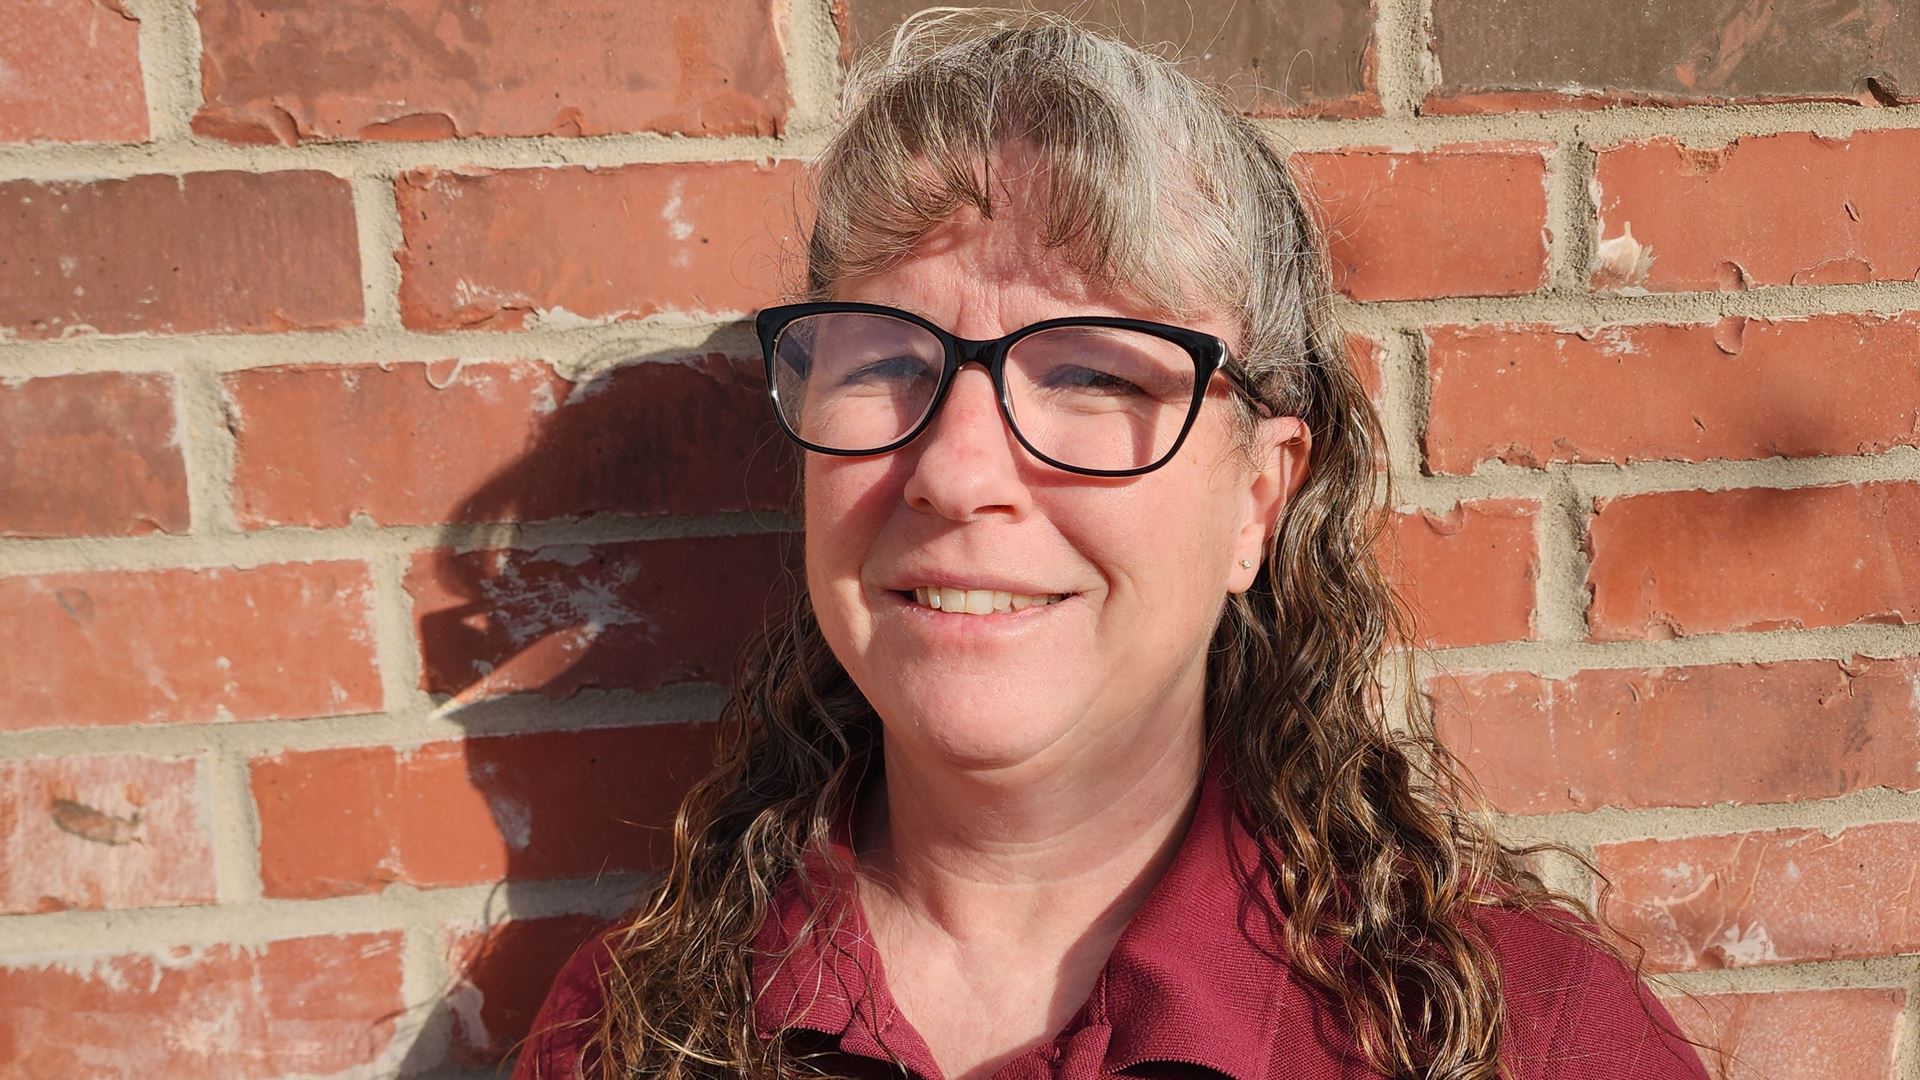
(1074, 377)
(891, 369)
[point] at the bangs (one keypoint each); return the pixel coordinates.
(1111, 132)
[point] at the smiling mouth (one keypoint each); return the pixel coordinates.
(977, 601)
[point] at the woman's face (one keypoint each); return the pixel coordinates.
(1144, 562)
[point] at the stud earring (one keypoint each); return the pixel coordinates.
(1246, 564)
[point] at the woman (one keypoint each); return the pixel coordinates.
(1075, 757)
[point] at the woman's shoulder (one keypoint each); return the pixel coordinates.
(556, 1043)
(1575, 1008)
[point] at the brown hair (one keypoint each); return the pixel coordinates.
(1158, 188)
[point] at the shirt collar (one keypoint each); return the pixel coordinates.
(1198, 976)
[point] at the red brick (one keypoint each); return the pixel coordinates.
(501, 976)
(511, 441)
(90, 455)
(1271, 59)
(633, 616)
(1534, 54)
(1459, 221)
(1753, 559)
(106, 831)
(1806, 729)
(1530, 395)
(417, 69)
(1803, 1034)
(557, 804)
(215, 251)
(1368, 359)
(89, 649)
(1836, 210)
(299, 1007)
(1469, 573)
(508, 250)
(1783, 896)
(72, 73)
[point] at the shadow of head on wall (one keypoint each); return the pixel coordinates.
(578, 619)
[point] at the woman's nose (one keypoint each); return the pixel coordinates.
(968, 463)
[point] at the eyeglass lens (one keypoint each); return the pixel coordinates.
(1088, 397)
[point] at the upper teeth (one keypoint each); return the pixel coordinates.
(979, 601)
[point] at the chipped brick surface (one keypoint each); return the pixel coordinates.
(309, 1006)
(1526, 54)
(1836, 211)
(339, 822)
(112, 436)
(70, 72)
(423, 69)
(1753, 559)
(415, 443)
(87, 649)
(634, 616)
(501, 976)
(103, 831)
(1802, 1034)
(1808, 729)
(1767, 897)
(1739, 389)
(217, 251)
(1468, 573)
(1398, 227)
(556, 247)
(1274, 58)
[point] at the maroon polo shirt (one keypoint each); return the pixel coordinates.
(1197, 986)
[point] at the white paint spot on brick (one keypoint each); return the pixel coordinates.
(513, 818)
(559, 318)
(466, 1002)
(1745, 945)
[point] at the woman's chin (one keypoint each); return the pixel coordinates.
(974, 740)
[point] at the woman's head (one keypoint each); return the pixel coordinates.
(986, 178)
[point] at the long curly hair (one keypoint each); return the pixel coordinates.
(1157, 187)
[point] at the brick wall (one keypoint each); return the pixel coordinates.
(384, 489)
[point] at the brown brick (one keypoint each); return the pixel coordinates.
(226, 251)
(1739, 389)
(1836, 211)
(1802, 1034)
(111, 647)
(300, 1007)
(1459, 221)
(419, 69)
(502, 973)
(72, 73)
(1531, 54)
(106, 831)
(1468, 574)
(1753, 559)
(1805, 729)
(1273, 58)
(509, 441)
(90, 455)
(559, 804)
(1785, 896)
(507, 250)
(633, 616)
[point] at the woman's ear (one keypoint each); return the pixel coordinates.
(1282, 446)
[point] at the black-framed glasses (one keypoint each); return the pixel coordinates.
(1095, 395)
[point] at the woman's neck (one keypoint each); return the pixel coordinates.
(1031, 854)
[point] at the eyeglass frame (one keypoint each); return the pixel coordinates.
(1209, 354)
